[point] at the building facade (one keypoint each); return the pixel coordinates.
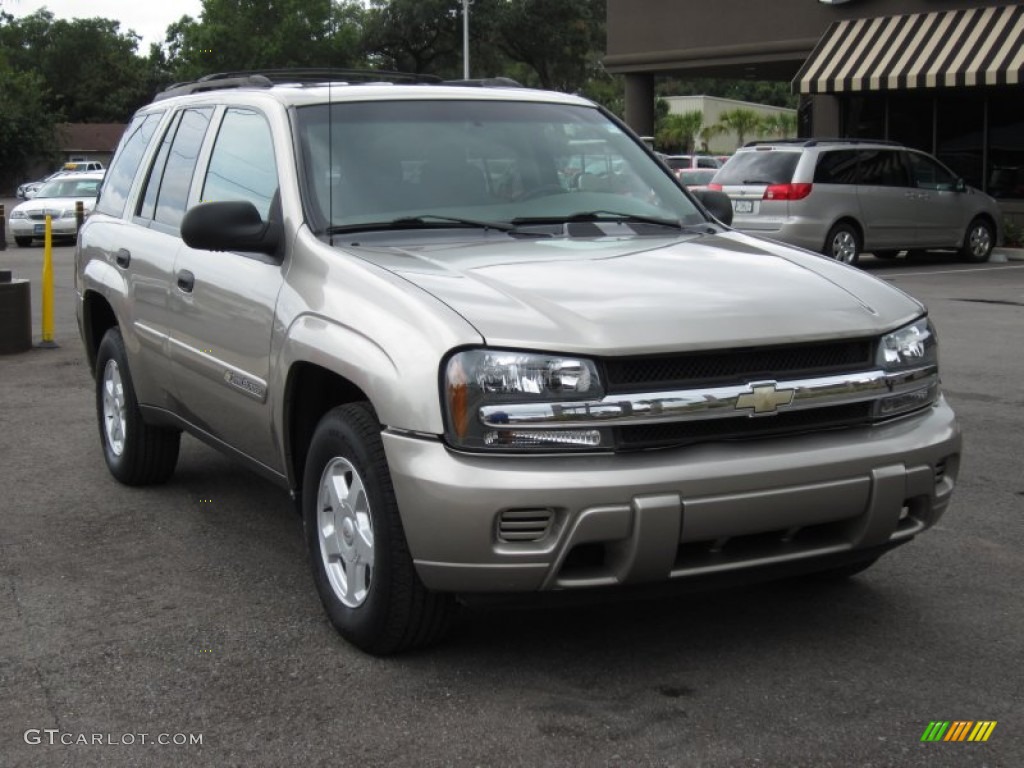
(944, 76)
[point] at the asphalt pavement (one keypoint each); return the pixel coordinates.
(187, 612)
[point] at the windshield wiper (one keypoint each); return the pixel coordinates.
(424, 221)
(598, 216)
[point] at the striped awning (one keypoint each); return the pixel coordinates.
(970, 47)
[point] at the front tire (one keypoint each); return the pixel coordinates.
(136, 453)
(361, 564)
(978, 242)
(843, 243)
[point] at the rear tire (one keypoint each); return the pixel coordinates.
(23, 242)
(361, 564)
(136, 453)
(843, 243)
(978, 242)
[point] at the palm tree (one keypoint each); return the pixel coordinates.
(781, 124)
(742, 122)
(678, 130)
(707, 133)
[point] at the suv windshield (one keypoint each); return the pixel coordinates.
(759, 167)
(372, 163)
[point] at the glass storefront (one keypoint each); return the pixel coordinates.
(978, 133)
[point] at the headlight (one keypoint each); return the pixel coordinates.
(18, 215)
(912, 346)
(478, 377)
(910, 357)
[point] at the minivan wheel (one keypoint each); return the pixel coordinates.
(136, 453)
(978, 242)
(843, 243)
(361, 564)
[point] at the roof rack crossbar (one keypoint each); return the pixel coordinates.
(818, 141)
(266, 78)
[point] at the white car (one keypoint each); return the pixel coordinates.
(56, 198)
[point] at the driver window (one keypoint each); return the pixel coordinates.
(242, 165)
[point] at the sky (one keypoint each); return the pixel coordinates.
(148, 18)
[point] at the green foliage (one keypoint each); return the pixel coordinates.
(253, 34)
(91, 68)
(742, 122)
(1013, 233)
(26, 123)
(781, 125)
(676, 132)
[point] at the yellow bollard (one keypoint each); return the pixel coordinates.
(48, 341)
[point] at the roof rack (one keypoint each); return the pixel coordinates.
(486, 82)
(816, 142)
(267, 78)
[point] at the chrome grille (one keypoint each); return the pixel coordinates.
(740, 365)
(672, 434)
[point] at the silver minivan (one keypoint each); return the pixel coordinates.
(842, 197)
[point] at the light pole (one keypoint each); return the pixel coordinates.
(465, 39)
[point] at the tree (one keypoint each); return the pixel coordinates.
(420, 36)
(91, 68)
(560, 42)
(782, 125)
(742, 122)
(26, 123)
(254, 34)
(676, 132)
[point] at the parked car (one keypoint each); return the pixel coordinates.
(83, 165)
(679, 163)
(697, 178)
(843, 197)
(57, 199)
(474, 377)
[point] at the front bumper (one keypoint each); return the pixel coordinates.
(33, 228)
(654, 516)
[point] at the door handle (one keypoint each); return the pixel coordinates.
(186, 281)
(123, 257)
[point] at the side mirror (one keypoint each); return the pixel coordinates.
(718, 204)
(960, 185)
(229, 226)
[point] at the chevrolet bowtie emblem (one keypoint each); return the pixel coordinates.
(764, 398)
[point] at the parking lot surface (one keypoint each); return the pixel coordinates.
(188, 611)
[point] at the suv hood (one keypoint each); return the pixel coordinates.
(638, 295)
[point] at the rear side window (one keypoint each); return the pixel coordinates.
(882, 168)
(837, 167)
(170, 178)
(118, 181)
(759, 167)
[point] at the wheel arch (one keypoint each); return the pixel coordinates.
(311, 390)
(97, 318)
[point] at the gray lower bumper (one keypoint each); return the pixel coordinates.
(631, 518)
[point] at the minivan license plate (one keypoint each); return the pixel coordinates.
(743, 206)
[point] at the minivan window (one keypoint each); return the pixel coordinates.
(118, 181)
(759, 167)
(882, 168)
(836, 167)
(928, 174)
